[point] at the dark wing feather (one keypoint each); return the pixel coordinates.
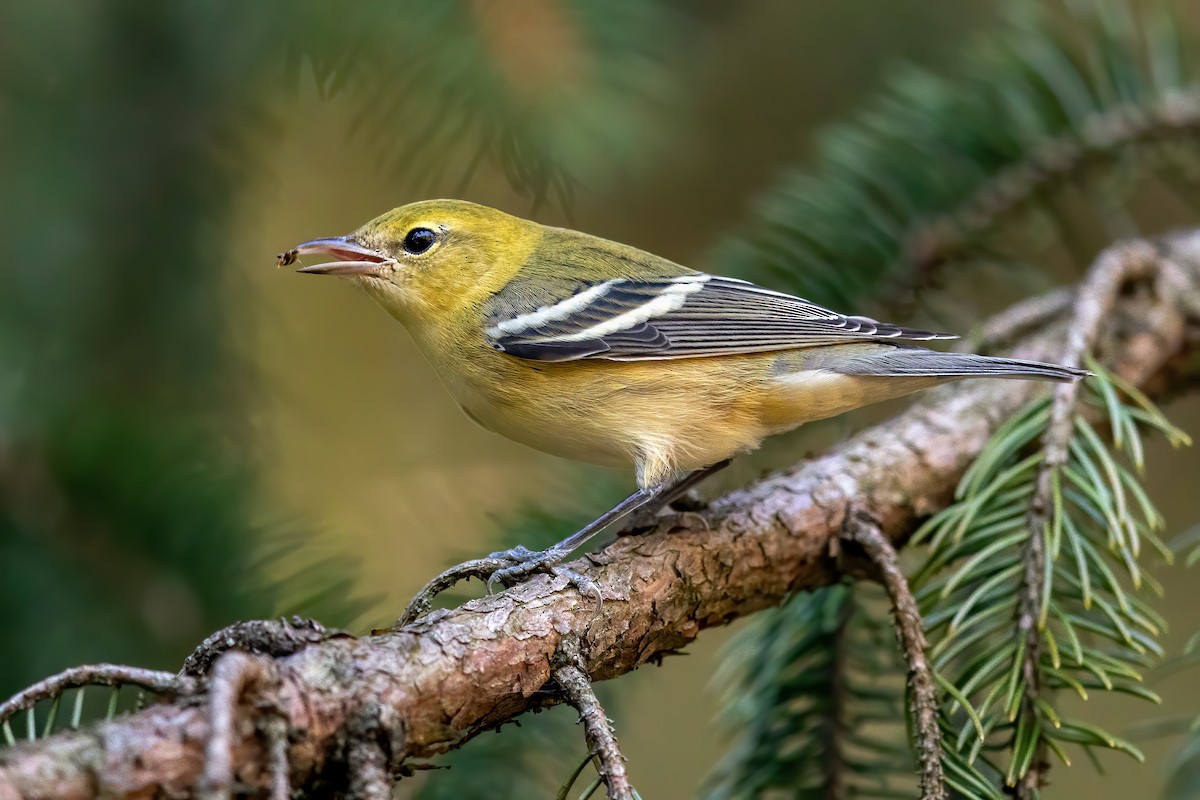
(682, 316)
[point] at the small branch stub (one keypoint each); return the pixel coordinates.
(366, 756)
(369, 778)
(233, 675)
(276, 731)
(577, 690)
(275, 638)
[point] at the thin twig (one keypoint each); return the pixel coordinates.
(232, 676)
(1010, 325)
(96, 675)
(1116, 267)
(481, 568)
(578, 691)
(910, 631)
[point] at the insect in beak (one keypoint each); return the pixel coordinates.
(351, 257)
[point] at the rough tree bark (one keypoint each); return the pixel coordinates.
(429, 687)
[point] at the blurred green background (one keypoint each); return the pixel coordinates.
(189, 436)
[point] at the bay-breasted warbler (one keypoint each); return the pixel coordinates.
(597, 351)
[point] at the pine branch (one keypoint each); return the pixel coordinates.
(461, 672)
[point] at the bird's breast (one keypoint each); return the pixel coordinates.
(662, 417)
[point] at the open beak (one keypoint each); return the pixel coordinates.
(351, 258)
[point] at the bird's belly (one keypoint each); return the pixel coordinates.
(620, 415)
(565, 435)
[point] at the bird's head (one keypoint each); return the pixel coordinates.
(434, 255)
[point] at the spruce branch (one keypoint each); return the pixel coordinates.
(1061, 99)
(460, 672)
(448, 88)
(1022, 589)
(1100, 139)
(1116, 268)
(1183, 765)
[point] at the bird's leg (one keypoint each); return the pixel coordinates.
(512, 566)
(643, 518)
(643, 501)
(524, 562)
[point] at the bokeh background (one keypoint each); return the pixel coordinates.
(190, 436)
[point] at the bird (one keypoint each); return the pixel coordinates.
(601, 352)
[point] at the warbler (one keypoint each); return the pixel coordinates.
(601, 352)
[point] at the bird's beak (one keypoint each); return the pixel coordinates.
(351, 257)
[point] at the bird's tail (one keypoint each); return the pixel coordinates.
(917, 361)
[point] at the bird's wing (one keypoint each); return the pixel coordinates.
(677, 316)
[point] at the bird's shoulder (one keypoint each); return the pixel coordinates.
(570, 262)
(592, 258)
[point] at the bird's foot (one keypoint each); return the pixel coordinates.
(507, 567)
(523, 562)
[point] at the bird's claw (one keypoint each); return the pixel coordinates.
(523, 562)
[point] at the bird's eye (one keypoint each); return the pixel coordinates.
(418, 240)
